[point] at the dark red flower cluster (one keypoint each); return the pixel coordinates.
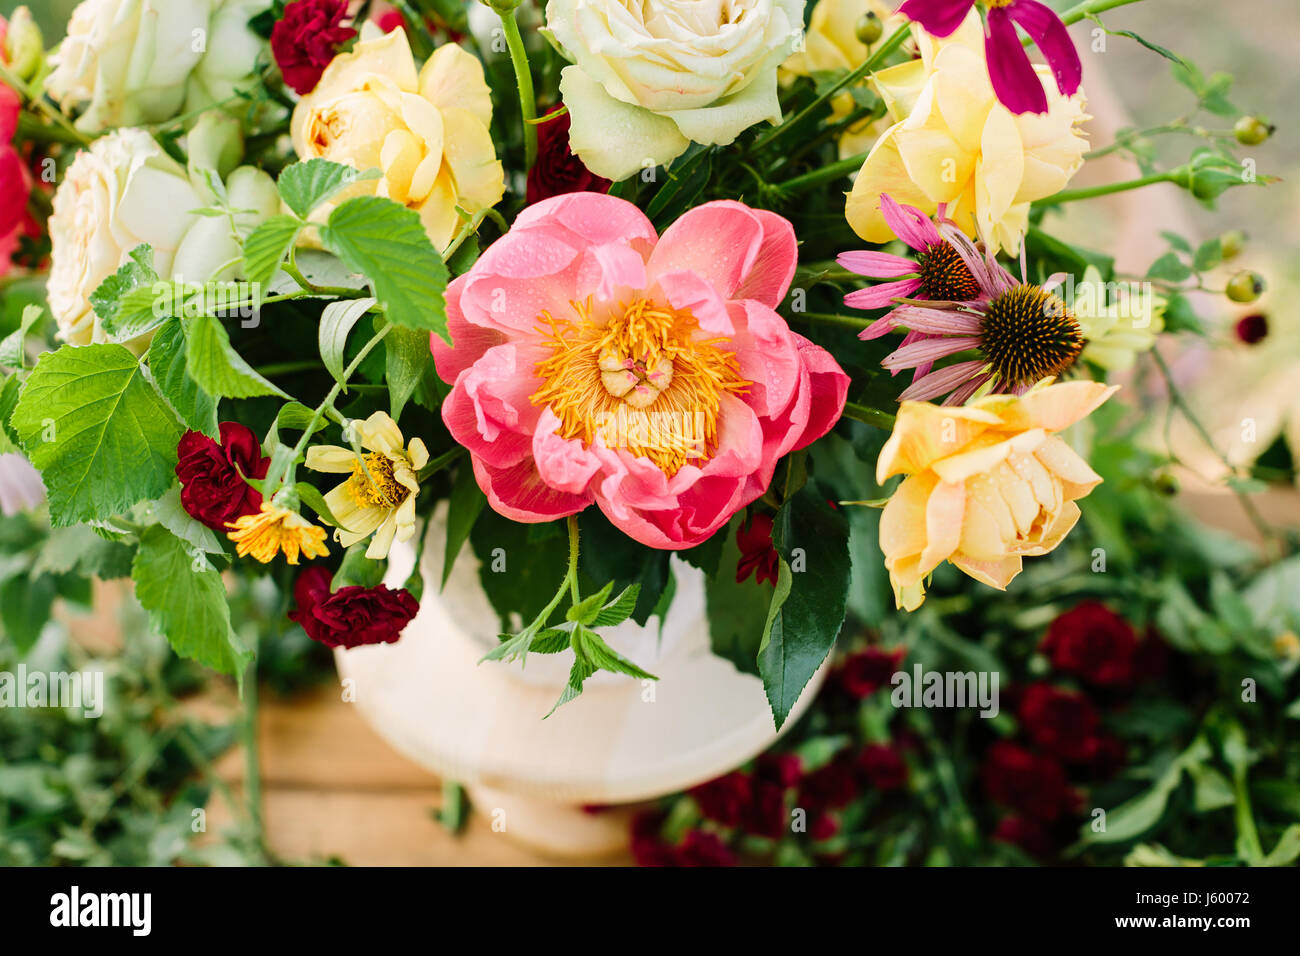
(867, 671)
(697, 847)
(757, 554)
(1033, 784)
(306, 38)
(351, 616)
(213, 489)
(1094, 643)
(557, 171)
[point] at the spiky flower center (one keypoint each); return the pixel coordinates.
(945, 277)
(642, 376)
(1028, 334)
(372, 484)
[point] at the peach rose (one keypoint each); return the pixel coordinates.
(987, 483)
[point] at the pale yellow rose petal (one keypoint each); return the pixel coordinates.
(453, 77)
(477, 173)
(614, 139)
(882, 172)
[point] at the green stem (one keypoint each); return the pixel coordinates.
(1090, 8)
(439, 463)
(290, 266)
(524, 78)
(869, 416)
(869, 65)
(1091, 192)
(823, 318)
(828, 173)
(571, 575)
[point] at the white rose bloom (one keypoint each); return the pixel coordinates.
(124, 191)
(230, 63)
(651, 76)
(127, 61)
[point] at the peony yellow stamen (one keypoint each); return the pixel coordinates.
(641, 376)
(372, 484)
(274, 530)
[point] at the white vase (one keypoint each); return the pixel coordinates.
(623, 740)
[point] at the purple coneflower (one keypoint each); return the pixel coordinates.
(1021, 333)
(1014, 79)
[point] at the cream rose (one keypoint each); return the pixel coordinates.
(952, 142)
(127, 61)
(426, 131)
(987, 484)
(124, 191)
(651, 76)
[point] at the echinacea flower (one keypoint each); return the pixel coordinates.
(952, 142)
(275, 530)
(379, 495)
(987, 484)
(1020, 333)
(594, 361)
(1017, 84)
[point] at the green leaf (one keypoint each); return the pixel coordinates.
(304, 186)
(336, 322)
(386, 242)
(25, 603)
(12, 354)
(618, 610)
(314, 500)
(591, 654)
(357, 569)
(216, 367)
(80, 548)
(610, 555)
(124, 301)
(187, 602)
(585, 611)
(813, 539)
(1208, 255)
(552, 640)
(1169, 267)
(463, 508)
(171, 514)
(265, 248)
(101, 436)
(737, 609)
(406, 356)
(167, 358)
(1141, 813)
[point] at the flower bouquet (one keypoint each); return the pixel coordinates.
(601, 290)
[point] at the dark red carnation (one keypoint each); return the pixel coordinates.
(1029, 835)
(767, 816)
(213, 489)
(864, 673)
(784, 770)
(882, 767)
(1252, 329)
(1031, 783)
(306, 38)
(351, 616)
(557, 171)
(725, 800)
(647, 847)
(701, 848)
(757, 555)
(1093, 642)
(831, 786)
(824, 826)
(1107, 756)
(1061, 722)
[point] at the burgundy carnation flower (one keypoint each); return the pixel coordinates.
(757, 555)
(213, 489)
(1029, 835)
(1061, 722)
(784, 770)
(864, 673)
(824, 826)
(351, 616)
(831, 786)
(557, 170)
(306, 38)
(882, 767)
(1028, 782)
(701, 848)
(1093, 642)
(725, 800)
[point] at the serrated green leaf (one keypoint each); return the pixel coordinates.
(618, 610)
(552, 640)
(11, 347)
(216, 367)
(336, 321)
(167, 359)
(101, 436)
(186, 601)
(1169, 267)
(171, 514)
(118, 318)
(304, 186)
(265, 248)
(387, 243)
(585, 611)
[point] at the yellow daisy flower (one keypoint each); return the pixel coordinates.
(275, 529)
(379, 495)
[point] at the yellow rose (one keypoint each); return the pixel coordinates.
(952, 142)
(831, 45)
(426, 131)
(987, 483)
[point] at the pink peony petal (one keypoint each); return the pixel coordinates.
(767, 355)
(1014, 80)
(881, 296)
(719, 241)
(877, 265)
(1042, 23)
(829, 387)
(519, 493)
(489, 411)
(773, 269)
(689, 291)
(562, 462)
(468, 341)
(592, 218)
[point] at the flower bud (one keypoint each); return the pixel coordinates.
(24, 48)
(1166, 483)
(1230, 243)
(1253, 130)
(1245, 286)
(869, 29)
(1252, 329)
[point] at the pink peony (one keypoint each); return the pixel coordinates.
(594, 361)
